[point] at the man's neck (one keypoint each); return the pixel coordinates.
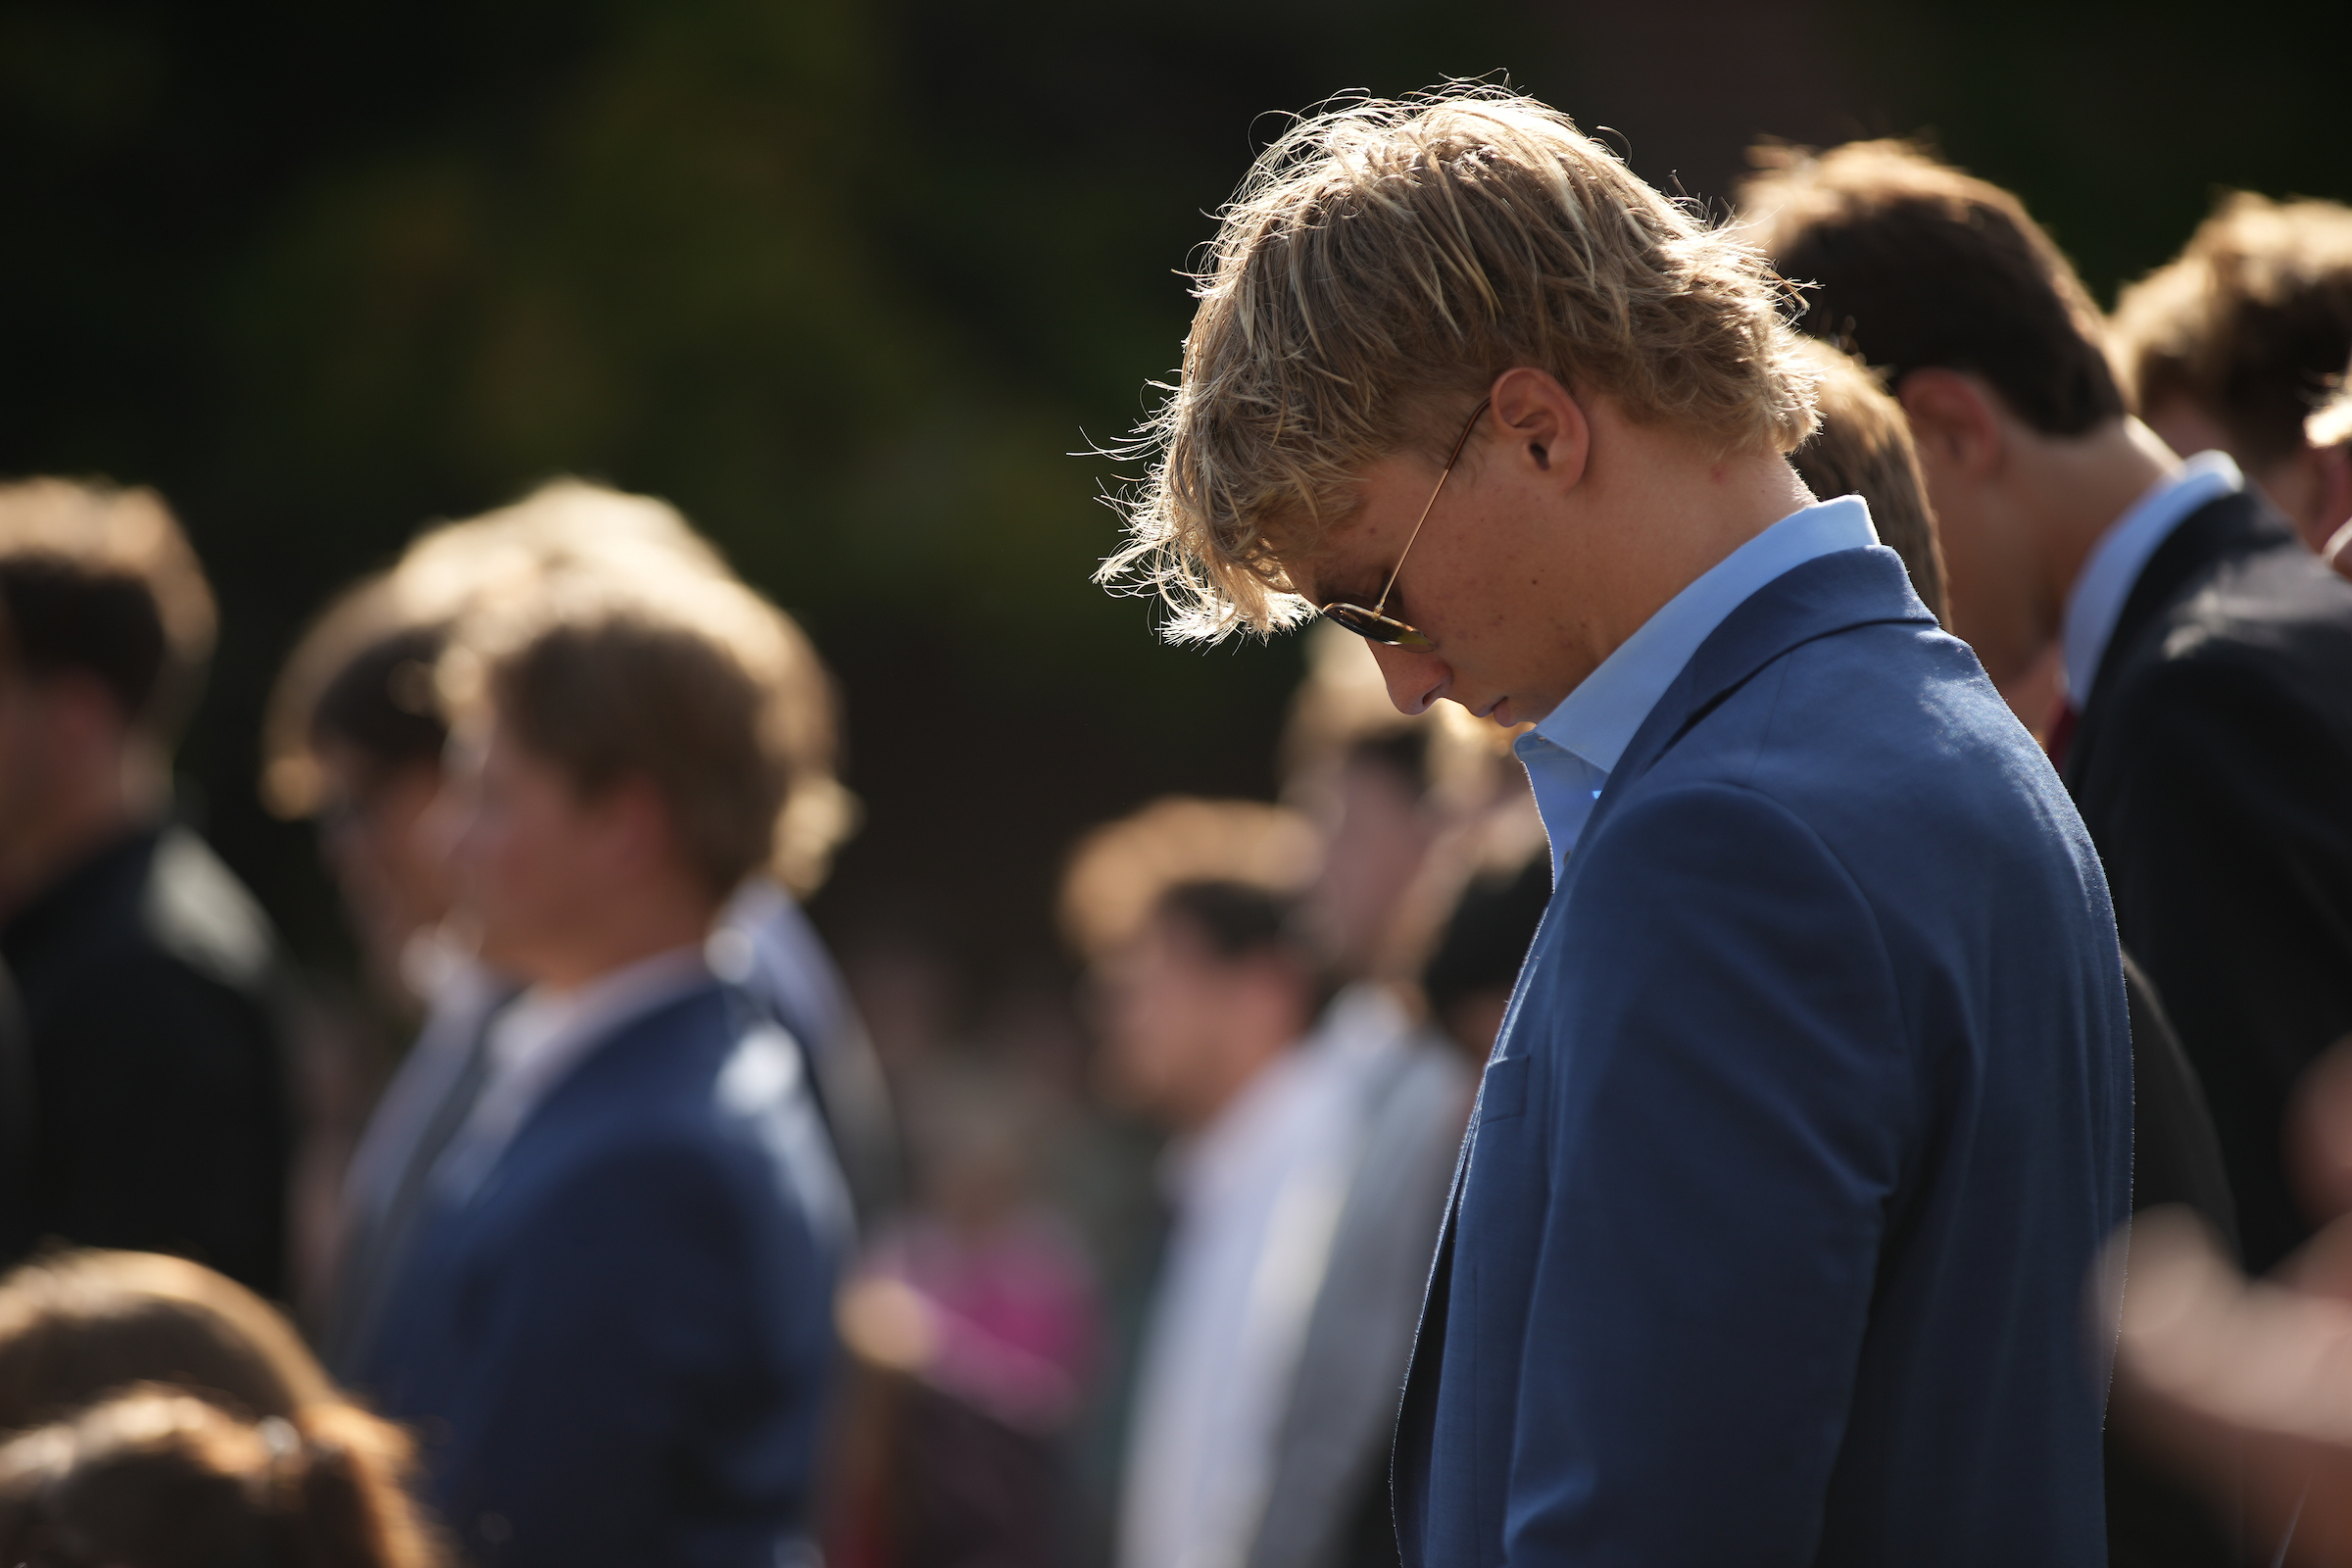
(642, 928)
(1715, 508)
(2079, 486)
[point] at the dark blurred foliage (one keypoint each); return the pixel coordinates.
(850, 284)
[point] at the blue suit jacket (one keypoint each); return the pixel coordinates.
(617, 1351)
(1770, 1239)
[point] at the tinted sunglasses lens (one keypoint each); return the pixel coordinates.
(1386, 630)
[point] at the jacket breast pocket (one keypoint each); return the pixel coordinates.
(1504, 1093)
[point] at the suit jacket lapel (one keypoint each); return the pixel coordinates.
(1825, 596)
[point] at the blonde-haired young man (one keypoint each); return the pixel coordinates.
(1813, 1105)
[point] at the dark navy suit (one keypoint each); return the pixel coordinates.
(616, 1350)
(1770, 1239)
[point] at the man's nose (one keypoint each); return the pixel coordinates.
(1416, 678)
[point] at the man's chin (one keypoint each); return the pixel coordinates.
(1514, 713)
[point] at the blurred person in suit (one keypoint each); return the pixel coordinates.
(1813, 1105)
(2206, 737)
(1205, 996)
(2231, 345)
(364, 758)
(154, 1477)
(150, 981)
(1314, 1143)
(613, 1320)
(355, 738)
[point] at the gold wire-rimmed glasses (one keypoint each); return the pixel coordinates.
(1374, 626)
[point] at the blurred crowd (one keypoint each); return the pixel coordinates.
(649, 1231)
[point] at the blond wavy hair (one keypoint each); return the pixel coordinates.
(1380, 265)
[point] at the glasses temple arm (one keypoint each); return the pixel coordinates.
(1455, 456)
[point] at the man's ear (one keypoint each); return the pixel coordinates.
(1954, 421)
(638, 817)
(1541, 423)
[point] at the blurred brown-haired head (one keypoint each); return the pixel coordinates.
(1121, 872)
(353, 677)
(159, 1479)
(78, 1325)
(100, 580)
(1864, 448)
(1910, 264)
(2249, 326)
(362, 677)
(674, 678)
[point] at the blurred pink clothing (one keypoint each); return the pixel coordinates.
(1012, 1312)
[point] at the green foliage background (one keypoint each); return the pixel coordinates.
(851, 282)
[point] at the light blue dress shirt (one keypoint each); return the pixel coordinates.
(2096, 599)
(1571, 751)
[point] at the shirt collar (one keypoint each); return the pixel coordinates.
(542, 1020)
(1597, 721)
(534, 1045)
(2096, 602)
(1572, 751)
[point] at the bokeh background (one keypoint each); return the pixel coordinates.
(852, 282)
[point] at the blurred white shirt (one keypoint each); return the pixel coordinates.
(1257, 1194)
(539, 1041)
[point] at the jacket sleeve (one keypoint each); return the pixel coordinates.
(1730, 1099)
(659, 1342)
(2229, 851)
